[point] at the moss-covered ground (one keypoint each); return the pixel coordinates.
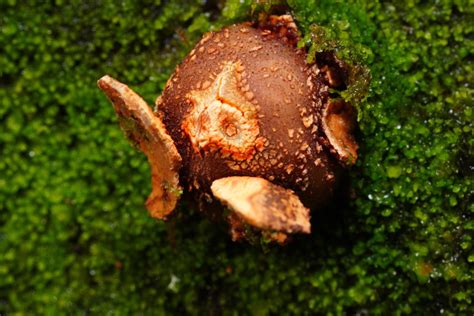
(75, 237)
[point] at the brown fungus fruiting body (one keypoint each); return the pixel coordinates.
(251, 119)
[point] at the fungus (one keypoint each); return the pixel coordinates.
(339, 123)
(262, 204)
(148, 133)
(254, 123)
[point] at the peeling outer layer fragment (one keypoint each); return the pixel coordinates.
(263, 204)
(145, 130)
(339, 123)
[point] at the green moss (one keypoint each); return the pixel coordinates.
(74, 235)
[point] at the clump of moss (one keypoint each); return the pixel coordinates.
(74, 235)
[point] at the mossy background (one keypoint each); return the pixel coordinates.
(75, 237)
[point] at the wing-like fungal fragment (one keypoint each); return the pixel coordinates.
(262, 204)
(145, 130)
(339, 123)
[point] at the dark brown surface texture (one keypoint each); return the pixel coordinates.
(244, 102)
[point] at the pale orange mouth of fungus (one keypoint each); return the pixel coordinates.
(223, 118)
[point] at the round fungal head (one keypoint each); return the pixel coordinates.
(245, 103)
